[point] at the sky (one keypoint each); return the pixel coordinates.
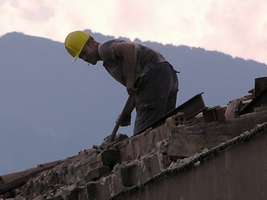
(235, 27)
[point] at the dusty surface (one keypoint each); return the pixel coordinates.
(105, 173)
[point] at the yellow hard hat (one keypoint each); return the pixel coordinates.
(75, 42)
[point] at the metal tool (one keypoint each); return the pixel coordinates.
(127, 109)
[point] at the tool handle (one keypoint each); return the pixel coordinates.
(127, 108)
(114, 132)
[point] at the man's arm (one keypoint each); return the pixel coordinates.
(127, 52)
(125, 116)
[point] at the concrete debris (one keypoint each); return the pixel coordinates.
(133, 162)
(184, 140)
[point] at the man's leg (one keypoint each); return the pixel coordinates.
(171, 102)
(156, 96)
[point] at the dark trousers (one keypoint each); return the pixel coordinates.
(156, 96)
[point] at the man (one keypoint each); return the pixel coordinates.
(150, 80)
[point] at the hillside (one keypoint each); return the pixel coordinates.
(52, 108)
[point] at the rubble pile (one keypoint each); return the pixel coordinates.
(111, 169)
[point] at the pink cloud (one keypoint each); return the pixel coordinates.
(31, 10)
(133, 16)
(237, 28)
(232, 26)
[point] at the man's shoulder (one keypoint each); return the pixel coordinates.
(111, 42)
(106, 49)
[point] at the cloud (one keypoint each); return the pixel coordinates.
(56, 18)
(233, 26)
(134, 17)
(238, 27)
(31, 10)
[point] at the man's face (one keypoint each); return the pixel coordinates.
(89, 53)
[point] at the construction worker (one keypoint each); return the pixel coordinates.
(150, 80)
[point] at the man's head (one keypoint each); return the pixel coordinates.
(80, 44)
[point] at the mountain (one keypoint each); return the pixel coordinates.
(52, 108)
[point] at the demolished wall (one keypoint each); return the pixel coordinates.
(132, 162)
(226, 172)
(196, 152)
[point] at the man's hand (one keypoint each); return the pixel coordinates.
(125, 120)
(131, 90)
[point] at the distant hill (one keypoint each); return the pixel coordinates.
(51, 107)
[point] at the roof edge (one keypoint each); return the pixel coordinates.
(193, 161)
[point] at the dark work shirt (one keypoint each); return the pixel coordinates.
(113, 61)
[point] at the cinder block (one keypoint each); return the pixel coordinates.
(116, 182)
(181, 144)
(110, 157)
(127, 152)
(97, 191)
(151, 167)
(77, 194)
(130, 174)
(97, 173)
(214, 114)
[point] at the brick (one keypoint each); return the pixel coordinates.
(130, 174)
(110, 157)
(151, 167)
(97, 190)
(97, 173)
(116, 182)
(182, 144)
(78, 193)
(214, 114)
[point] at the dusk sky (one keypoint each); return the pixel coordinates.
(235, 27)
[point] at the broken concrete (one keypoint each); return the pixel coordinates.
(181, 157)
(94, 174)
